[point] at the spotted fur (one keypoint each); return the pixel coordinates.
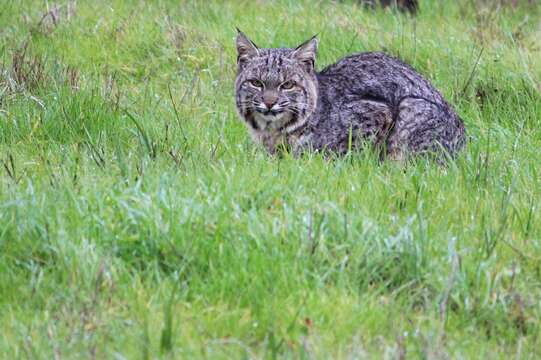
(363, 98)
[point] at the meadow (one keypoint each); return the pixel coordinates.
(138, 220)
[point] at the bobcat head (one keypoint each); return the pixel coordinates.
(276, 89)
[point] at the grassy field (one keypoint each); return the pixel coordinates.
(138, 220)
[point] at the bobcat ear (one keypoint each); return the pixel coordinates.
(306, 53)
(246, 49)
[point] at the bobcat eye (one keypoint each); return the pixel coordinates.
(288, 85)
(256, 83)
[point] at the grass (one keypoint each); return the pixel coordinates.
(137, 219)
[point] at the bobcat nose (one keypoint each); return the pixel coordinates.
(269, 99)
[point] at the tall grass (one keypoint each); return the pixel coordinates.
(137, 219)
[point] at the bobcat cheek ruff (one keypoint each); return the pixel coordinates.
(367, 97)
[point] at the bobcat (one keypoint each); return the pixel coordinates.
(363, 98)
(403, 5)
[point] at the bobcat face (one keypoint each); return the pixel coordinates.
(276, 89)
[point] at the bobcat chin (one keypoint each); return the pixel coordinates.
(363, 98)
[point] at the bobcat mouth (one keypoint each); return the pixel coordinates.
(271, 120)
(270, 112)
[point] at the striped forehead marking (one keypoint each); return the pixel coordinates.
(273, 66)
